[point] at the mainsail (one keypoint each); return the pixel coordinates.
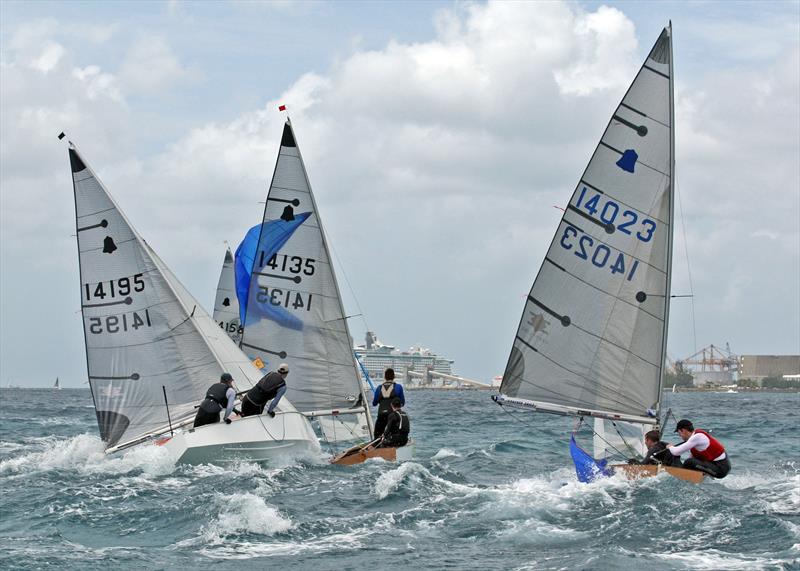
(226, 304)
(592, 338)
(145, 334)
(289, 298)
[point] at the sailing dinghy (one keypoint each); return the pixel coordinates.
(592, 339)
(152, 351)
(290, 307)
(57, 386)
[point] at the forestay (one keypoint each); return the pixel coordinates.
(142, 328)
(591, 340)
(290, 303)
(226, 304)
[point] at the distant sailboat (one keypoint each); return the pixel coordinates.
(148, 341)
(592, 339)
(673, 387)
(57, 385)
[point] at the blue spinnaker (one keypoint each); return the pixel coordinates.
(587, 468)
(274, 234)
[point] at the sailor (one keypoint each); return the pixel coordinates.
(397, 427)
(384, 394)
(219, 396)
(657, 451)
(271, 386)
(708, 453)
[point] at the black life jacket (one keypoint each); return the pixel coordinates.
(403, 426)
(215, 398)
(266, 388)
(386, 397)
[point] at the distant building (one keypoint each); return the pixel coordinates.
(720, 378)
(758, 367)
(377, 357)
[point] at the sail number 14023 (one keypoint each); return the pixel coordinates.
(628, 222)
(599, 254)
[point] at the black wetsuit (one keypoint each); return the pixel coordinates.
(658, 454)
(384, 395)
(257, 397)
(714, 468)
(209, 409)
(397, 428)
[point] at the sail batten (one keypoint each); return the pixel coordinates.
(593, 332)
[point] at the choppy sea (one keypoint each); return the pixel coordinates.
(486, 490)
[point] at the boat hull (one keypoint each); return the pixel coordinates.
(252, 439)
(636, 471)
(351, 457)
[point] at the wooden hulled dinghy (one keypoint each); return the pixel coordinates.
(636, 471)
(363, 452)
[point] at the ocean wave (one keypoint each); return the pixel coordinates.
(714, 560)
(85, 454)
(445, 453)
(411, 475)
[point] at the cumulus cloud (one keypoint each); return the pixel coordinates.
(152, 66)
(436, 165)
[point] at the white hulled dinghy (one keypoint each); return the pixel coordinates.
(592, 339)
(152, 351)
(290, 307)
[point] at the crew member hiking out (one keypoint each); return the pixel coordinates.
(271, 386)
(384, 394)
(708, 453)
(219, 396)
(657, 452)
(397, 427)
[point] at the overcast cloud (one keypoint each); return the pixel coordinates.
(436, 161)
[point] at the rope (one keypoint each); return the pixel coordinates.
(688, 267)
(625, 442)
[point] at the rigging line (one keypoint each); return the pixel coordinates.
(504, 409)
(625, 442)
(688, 267)
(614, 448)
(349, 286)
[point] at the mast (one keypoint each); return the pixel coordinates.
(672, 220)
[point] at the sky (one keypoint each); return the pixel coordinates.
(438, 136)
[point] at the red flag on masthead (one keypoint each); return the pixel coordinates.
(282, 108)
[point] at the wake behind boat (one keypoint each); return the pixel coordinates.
(151, 349)
(592, 339)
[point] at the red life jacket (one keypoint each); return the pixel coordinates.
(714, 450)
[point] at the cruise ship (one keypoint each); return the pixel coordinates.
(376, 357)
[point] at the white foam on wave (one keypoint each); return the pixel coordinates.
(249, 513)
(85, 454)
(412, 474)
(242, 514)
(445, 453)
(713, 560)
